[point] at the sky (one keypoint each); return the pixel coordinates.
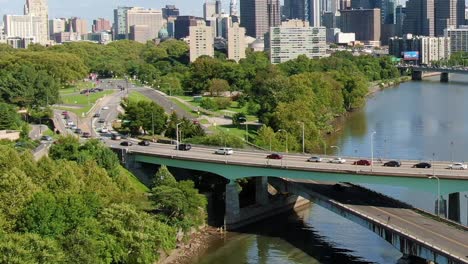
(92, 9)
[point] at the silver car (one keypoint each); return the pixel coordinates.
(224, 151)
(337, 160)
(314, 159)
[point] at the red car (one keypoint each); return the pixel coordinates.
(275, 156)
(362, 163)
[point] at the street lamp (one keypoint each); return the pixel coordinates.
(438, 193)
(303, 130)
(338, 148)
(466, 196)
(451, 150)
(177, 135)
(246, 132)
(286, 133)
(372, 149)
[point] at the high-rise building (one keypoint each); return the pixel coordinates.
(120, 22)
(182, 25)
(56, 25)
(152, 18)
(345, 4)
(219, 7)
(140, 33)
(419, 18)
(257, 16)
(294, 38)
(201, 41)
(101, 24)
(315, 12)
(78, 25)
(170, 11)
(236, 44)
(209, 9)
(400, 15)
(458, 39)
(39, 8)
(447, 14)
(23, 26)
(296, 9)
(430, 48)
(364, 22)
(233, 12)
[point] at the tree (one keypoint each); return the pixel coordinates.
(239, 118)
(10, 119)
(217, 87)
(143, 116)
(29, 248)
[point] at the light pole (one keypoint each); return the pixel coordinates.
(372, 149)
(438, 193)
(303, 142)
(152, 125)
(177, 136)
(286, 133)
(451, 150)
(466, 196)
(246, 132)
(338, 148)
(433, 163)
(325, 148)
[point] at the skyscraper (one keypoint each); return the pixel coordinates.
(447, 14)
(257, 16)
(170, 11)
(233, 9)
(120, 22)
(315, 12)
(151, 18)
(364, 22)
(296, 9)
(209, 9)
(101, 24)
(236, 42)
(219, 7)
(39, 8)
(419, 18)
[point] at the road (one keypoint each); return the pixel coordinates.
(163, 101)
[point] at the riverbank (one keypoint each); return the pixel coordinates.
(196, 246)
(373, 88)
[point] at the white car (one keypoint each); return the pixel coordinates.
(104, 130)
(105, 108)
(73, 127)
(70, 123)
(337, 160)
(458, 166)
(224, 151)
(314, 159)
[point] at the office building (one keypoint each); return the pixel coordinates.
(257, 16)
(39, 8)
(364, 22)
(170, 11)
(62, 37)
(102, 37)
(201, 41)
(419, 19)
(209, 9)
(448, 14)
(430, 49)
(458, 39)
(20, 43)
(236, 44)
(295, 9)
(120, 22)
(78, 25)
(400, 15)
(151, 18)
(182, 25)
(233, 12)
(345, 4)
(23, 26)
(315, 12)
(294, 38)
(57, 25)
(100, 25)
(331, 20)
(219, 7)
(140, 33)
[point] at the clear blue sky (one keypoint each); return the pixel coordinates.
(91, 9)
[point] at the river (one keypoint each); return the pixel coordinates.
(415, 120)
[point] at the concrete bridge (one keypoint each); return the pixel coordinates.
(417, 71)
(299, 173)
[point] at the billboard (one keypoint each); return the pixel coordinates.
(411, 55)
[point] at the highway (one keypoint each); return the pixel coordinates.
(297, 161)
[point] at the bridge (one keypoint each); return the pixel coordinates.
(417, 71)
(443, 242)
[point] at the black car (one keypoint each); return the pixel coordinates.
(423, 165)
(97, 115)
(185, 147)
(392, 163)
(144, 143)
(126, 143)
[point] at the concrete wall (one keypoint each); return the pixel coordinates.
(9, 135)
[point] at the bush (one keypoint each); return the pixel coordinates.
(209, 104)
(222, 103)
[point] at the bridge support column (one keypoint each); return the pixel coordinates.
(416, 75)
(261, 190)
(454, 207)
(232, 210)
(444, 77)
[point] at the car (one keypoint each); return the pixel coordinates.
(314, 159)
(185, 147)
(84, 91)
(65, 113)
(424, 165)
(224, 151)
(392, 163)
(78, 131)
(126, 143)
(458, 166)
(86, 135)
(274, 156)
(97, 115)
(101, 120)
(46, 138)
(73, 127)
(337, 160)
(115, 137)
(362, 162)
(105, 108)
(104, 130)
(143, 143)
(70, 123)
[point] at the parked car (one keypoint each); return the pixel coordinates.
(65, 113)
(224, 151)
(46, 138)
(105, 108)
(185, 147)
(78, 131)
(84, 91)
(423, 165)
(115, 137)
(392, 163)
(86, 135)
(143, 143)
(362, 162)
(337, 160)
(458, 166)
(314, 159)
(70, 123)
(73, 127)
(126, 143)
(97, 115)
(104, 130)
(274, 156)
(101, 120)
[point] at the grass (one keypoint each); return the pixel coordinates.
(183, 106)
(79, 102)
(136, 96)
(239, 131)
(77, 87)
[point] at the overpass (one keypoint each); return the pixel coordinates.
(295, 168)
(417, 71)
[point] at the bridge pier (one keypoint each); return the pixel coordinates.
(444, 77)
(454, 207)
(416, 75)
(261, 190)
(232, 211)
